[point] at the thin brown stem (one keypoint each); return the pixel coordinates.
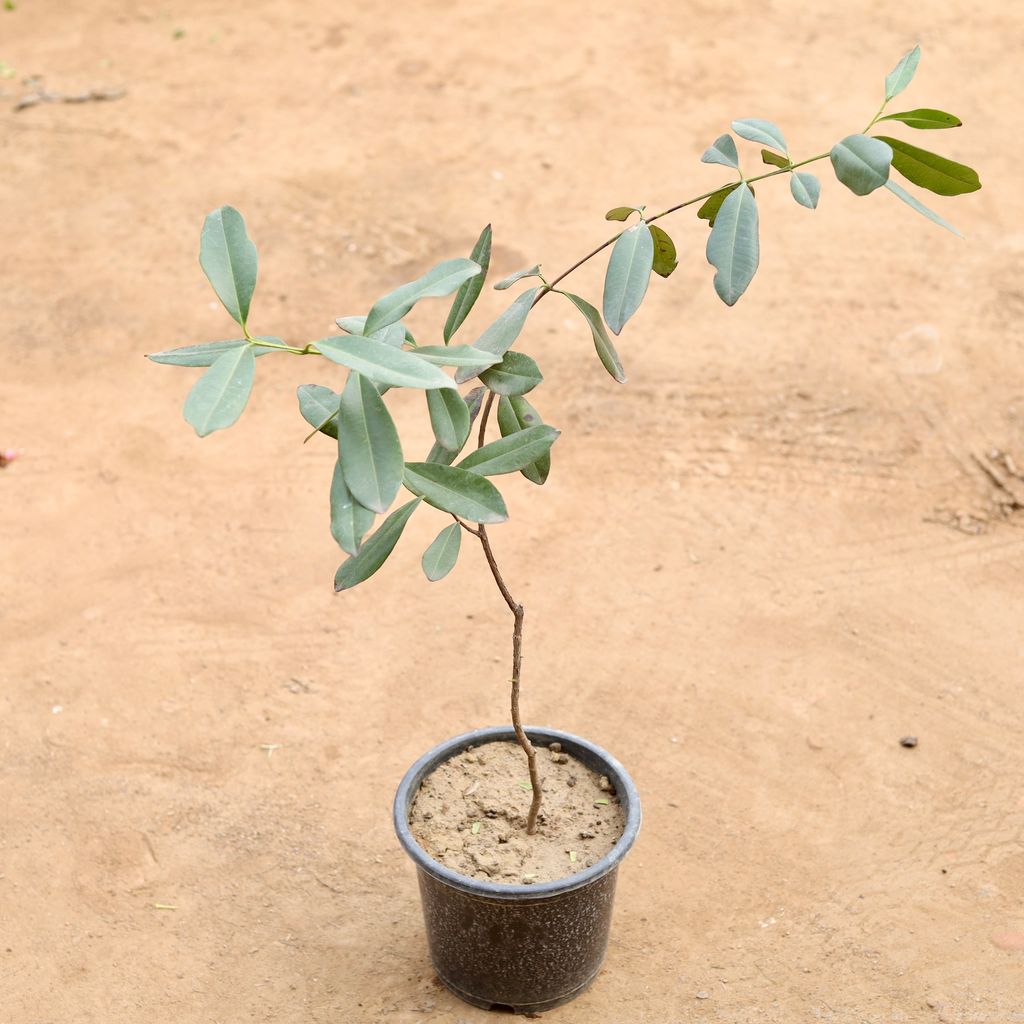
(483, 419)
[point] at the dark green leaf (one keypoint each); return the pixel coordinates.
(620, 213)
(374, 552)
(710, 207)
(456, 355)
(395, 335)
(318, 404)
(449, 418)
(515, 414)
(501, 335)
(218, 398)
(805, 188)
(205, 355)
(931, 171)
(861, 163)
(774, 159)
(665, 260)
(628, 274)
(925, 119)
(915, 204)
(764, 133)
(605, 349)
(722, 151)
(228, 259)
(516, 374)
(473, 401)
(349, 519)
(368, 445)
(518, 275)
(899, 78)
(733, 247)
(469, 291)
(440, 280)
(383, 364)
(458, 491)
(512, 453)
(440, 558)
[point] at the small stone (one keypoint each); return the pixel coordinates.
(559, 758)
(571, 781)
(555, 748)
(908, 741)
(604, 785)
(703, 995)
(586, 835)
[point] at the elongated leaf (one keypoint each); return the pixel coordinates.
(501, 335)
(709, 208)
(218, 398)
(518, 275)
(512, 453)
(440, 558)
(620, 213)
(924, 118)
(205, 355)
(605, 349)
(449, 419)
(349, 519)
(916, 204)
(469, 291)
(516, 374)
(516, 414)
(374, 552)
(900, 77)
(456, 355)
(861, 163)
(665, 260)
(383, 364)
(368, 445)
(805, 188)
(441, 280)
(722, 151)
(443, 456)
(764, 133)
(629, 272)
(395, 335)
(774, 159)
(733, 247)
(931, 171)
(319, 407)
(228, 259)
(459, 491)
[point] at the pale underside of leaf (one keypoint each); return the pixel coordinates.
(220, 395)
(733, 247)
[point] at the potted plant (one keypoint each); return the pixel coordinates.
(517, 866)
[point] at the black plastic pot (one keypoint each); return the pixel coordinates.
(518, 947)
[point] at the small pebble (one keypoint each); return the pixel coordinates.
(571, 781)
(604, 785)
(555, 748)
(703, 995)
(908, 741)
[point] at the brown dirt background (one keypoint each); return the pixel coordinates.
(753, 569)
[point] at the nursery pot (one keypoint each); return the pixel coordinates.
(518, 947)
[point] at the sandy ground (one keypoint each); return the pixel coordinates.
(755, 568)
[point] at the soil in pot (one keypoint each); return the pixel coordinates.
(470, 814)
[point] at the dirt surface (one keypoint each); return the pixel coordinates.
(792, 539)
(470, 814)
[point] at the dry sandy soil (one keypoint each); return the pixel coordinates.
(776, 551)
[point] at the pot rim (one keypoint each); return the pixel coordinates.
(571, 744)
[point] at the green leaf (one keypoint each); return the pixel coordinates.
(374, 552)
(710, 207)
(805, 188)
(861, 163)
(665, 260)
(899, 78)
(441, 280)
(516, 414)
(205, 355)
(629, 271)
(925, 119)
(383, 364)
(774, 159)
(733, 248)
(605, 349)
(501, 335)
(473, 402)
(511, 453)
(349, 519)
(218, 398)
(228, 259)
(722, 151)
(456, 355)
(395, 335)
(469, 291)
(368, 445)
(449, 419)
(458, 491)
(516, 374)
(931, 171)
(916, 204)
(440, 558)
(620, 213)
(764, 133)
(317, 405)
(507, 282)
